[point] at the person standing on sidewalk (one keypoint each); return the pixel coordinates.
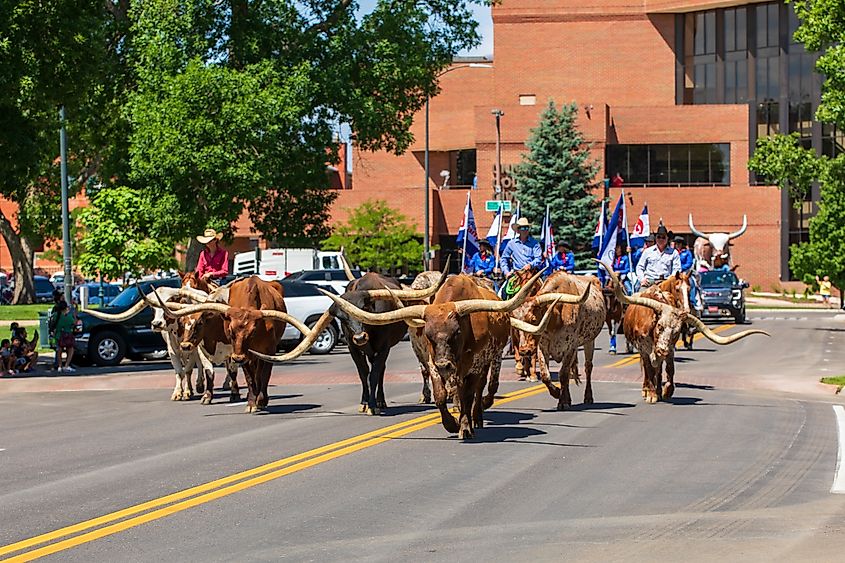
(824, 290)
(58, 297)
(64, 335)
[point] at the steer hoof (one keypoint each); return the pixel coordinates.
(533, 379)
(200, 386)
(588, 400)
(186, 396)
(252, 409)
(362, 408)
(176, 396)
(425, 399)
(561, 406)
(668, 390)
(206, 399)
(373, 412)
(466, 434)
(235, 398)
(651, 398)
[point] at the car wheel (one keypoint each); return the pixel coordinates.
(107, 348)
(326, 342)
(739, 318)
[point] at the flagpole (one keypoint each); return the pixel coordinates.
(466, 236)
(499, 235)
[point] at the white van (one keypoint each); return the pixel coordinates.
(276, 263)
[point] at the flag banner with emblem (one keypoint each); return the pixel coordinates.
(600, 229)
(495, 229)
(641, 229)
(468, 234)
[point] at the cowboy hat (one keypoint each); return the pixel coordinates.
(208, 235)
(522, 222)
(485, 242)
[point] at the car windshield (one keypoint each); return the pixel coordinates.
(129, 296)
(724, 279)
(43, 286)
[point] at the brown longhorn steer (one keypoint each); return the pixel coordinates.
(465, 329)
(571, 326)
(653, 323)
(524, 347)
(253, 320)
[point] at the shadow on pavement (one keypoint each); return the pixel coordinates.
(691, 386)
(400, 409)
(685, 401)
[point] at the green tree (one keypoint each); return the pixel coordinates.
(237, 101)
(378, 238)
(782, 160)
(118, 230)
(558, 171)
(51, 55)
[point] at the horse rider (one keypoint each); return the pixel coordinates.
(564, 259)
(213, 264)
(521, 253)
(658, 262)
(484, 261)
(622, 267)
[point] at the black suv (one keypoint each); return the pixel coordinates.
(106, 343)
(722, 295)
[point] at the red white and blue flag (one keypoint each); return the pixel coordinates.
(641, 229)
(467, 233)
(601, 227)
(547, 235)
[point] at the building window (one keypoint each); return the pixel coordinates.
(527, 99)
(736, 56)
(670, 165)
(700, 57)
(463, 168)
(767, 119)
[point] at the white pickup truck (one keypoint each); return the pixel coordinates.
(276, 263)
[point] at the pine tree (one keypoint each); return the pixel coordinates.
(558, 171)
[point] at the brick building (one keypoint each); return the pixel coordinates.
(671, 93)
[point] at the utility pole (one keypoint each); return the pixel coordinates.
(498, 114)
(65, 209)
(426, 243)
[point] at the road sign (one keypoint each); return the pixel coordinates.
(493, 205)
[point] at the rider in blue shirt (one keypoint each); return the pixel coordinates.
(564, 259)
(622, 267)
(483, 262)
(523, 252)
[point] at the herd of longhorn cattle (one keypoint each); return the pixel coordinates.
(458, 327)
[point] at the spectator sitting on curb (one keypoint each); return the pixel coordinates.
(25, 357)
(6, 358)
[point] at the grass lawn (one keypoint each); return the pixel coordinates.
(839, 381)
(22, 312)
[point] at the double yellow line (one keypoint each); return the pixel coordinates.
(633, 359)
(155, 509)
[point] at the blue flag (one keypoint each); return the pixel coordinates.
(601, 227)
(614, 228)
(468, 234)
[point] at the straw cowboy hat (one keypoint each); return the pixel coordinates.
(208, 235)
(522, 222)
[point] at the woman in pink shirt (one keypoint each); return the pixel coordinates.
(214, 260)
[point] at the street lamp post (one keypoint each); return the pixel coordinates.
(426, 203)
(498, 113)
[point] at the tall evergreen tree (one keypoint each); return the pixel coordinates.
(558, 171)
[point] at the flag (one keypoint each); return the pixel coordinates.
(547, 235)
(608, 247)
(512, 225)
(641, 229)
(467, 233)
(623, 237)
(601, 227)
(495, 228)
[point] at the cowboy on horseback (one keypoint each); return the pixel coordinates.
(521, 253)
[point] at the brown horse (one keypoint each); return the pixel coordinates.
(524, 349)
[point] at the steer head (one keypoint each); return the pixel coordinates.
(357, 330)
(720, 242)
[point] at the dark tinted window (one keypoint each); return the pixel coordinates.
(718, 279)
(129, 296)
(300, 290)
(43, 285)
(676, 164)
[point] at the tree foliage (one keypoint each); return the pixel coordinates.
(558, 171)
(378, 238)
(782, 160)
(237, 101)
(118, 235)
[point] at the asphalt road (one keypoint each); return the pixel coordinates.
(738, 466)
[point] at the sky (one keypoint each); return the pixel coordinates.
(485, 28)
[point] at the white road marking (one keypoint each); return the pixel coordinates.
(839, 477)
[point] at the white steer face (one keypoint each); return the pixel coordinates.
(719, 242)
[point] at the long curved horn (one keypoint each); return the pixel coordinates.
(279, 315)
(546, 298)
(412, 323)
(635, 299)
(470, 306)
(193, 309)
(310, 337)
(705, 330)
(346, 268)
(118, 317)
(544, 322)
(741, 230)
(695, 231)
(411, 294)
(389, 317)
(170, 293)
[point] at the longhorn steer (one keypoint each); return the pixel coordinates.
(573, 324)
(653, 323)
(465, 329)
(253, 321)
(713, 250)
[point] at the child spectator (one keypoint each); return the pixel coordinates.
(24, 354)
(824, 290)
(64, 335)
(6, 360)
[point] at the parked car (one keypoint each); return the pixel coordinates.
(334, 278)
(305, 302)
(43, 290)
(110, 292)
(106, 343)
(722, 295)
